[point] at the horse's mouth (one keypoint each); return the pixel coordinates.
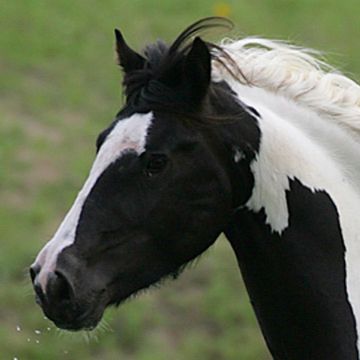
(71, 319)
(86, 322)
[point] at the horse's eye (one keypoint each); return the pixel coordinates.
(155, 164)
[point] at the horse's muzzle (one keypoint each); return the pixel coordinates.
(60, 304)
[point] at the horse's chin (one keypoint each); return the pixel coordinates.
(86, 320)
(86, 324)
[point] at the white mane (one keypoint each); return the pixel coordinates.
(295, 73)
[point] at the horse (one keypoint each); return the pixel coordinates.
(254, 138)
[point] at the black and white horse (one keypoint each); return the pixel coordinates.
(254, 138)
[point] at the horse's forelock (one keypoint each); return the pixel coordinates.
(155, 83)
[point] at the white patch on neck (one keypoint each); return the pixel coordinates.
(296, 73)
(128, 134)
(297, 143)
(238, 155)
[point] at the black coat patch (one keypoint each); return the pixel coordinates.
(297, 281)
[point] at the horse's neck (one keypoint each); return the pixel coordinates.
(298, 236)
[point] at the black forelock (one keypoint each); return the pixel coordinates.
(155, 85)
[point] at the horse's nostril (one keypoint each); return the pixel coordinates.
(34, 271)
(59, 288)
(40, 297)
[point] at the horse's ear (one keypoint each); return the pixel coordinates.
(128, 59)
(197, 69)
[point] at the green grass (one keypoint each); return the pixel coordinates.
(59, 87)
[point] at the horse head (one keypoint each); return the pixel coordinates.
(159, 192)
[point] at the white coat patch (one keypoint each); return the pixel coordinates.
(238, 155)
(128, 134)
(297, 143)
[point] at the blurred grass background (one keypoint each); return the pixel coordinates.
(59, 87)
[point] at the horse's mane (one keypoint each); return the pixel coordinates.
(294, 72)
(279, 67)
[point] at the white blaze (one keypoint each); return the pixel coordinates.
(128, 134)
